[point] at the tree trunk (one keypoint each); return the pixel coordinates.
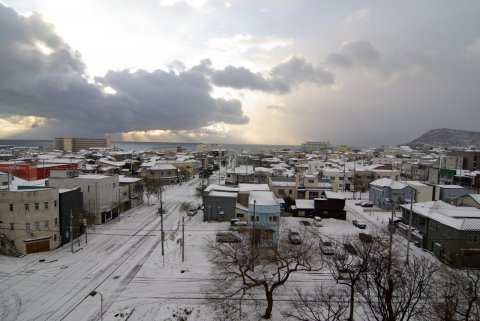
(352, 300)
(268, 310)
(389, 300)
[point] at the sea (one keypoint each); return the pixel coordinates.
(138, 146)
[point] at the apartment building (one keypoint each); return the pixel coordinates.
(100, 192)
(71, 144)
(29, 220)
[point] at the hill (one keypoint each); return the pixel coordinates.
(444, 137)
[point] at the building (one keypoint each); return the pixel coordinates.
(100, 193)
(470, 160)
(451, 233)
(384, 191)
(71, 214)
(264, 218)
(220, 202)
(29, 219)
(131, 191)
(166, 173)
(70, 144)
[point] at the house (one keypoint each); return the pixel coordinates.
(384, 191)
(448, 193)
(451, 233)
(5, 179)
(240, 174)
(472, 200)
(264, 218)
(310, 186)
(165, 172)
(220, 202)
(29, 220)
(341, 179)
(331, 205)
(100, 192)
(283, 187)
(131, 191)
(328, 205)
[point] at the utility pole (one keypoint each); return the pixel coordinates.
(253, 237)
(71, 229)
(409, 235)
(86, 227)
(161, 228)
(183, 238)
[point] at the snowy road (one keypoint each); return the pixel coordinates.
(120, 254)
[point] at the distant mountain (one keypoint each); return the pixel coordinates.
(444, 137)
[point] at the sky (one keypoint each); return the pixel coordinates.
(359, 73)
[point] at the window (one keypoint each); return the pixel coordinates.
(240, 215)
(54, 237)
(273, 219)
(45, 205)
(311, 181)
(332, 178)
(27, 207)
(46, 223)
(433, 226)
(473, 238)
(257, 218)
(37, 225)
(12, 226)
(88, 188)
(11, 207)
(37, 206)
(114, 185)
(281, 191)
(56, 221)
(446, 232)
(54, 203)
(290, 192)
(27, 227)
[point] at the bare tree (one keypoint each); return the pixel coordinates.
(349, 262)
(392, 290)
(240, 270)
(457, 297)
(322, 304)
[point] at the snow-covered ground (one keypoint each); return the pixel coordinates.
(123, 263)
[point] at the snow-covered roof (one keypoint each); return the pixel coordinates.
(216, 187)
(333, 195)
(383, 182)
(223, 194)
(283, 183)
(262, 198)
(125, 179)
(460, 218)
(162, 166)
(305, 204)
(93, 176)
(109, 162)
(253, 187)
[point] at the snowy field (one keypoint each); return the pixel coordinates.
(123, 264)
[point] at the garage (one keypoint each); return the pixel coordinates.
(35, 246)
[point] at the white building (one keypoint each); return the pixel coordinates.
(100, 192)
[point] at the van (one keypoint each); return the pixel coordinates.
(317, 221)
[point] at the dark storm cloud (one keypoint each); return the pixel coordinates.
(281, 79)
(40, 75)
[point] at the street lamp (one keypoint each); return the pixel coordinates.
(93, 293)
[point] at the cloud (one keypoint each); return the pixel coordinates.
(242, 43)
(473, 50)
(281, 79)
(52, 84)
(359, 15)
(358, 52)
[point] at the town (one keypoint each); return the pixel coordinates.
(149, 231)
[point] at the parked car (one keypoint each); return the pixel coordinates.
(326, 247)
(317, 221)
(192, 212)
(367, 204)
(343, 274)
(359, 224)
(294, 237)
